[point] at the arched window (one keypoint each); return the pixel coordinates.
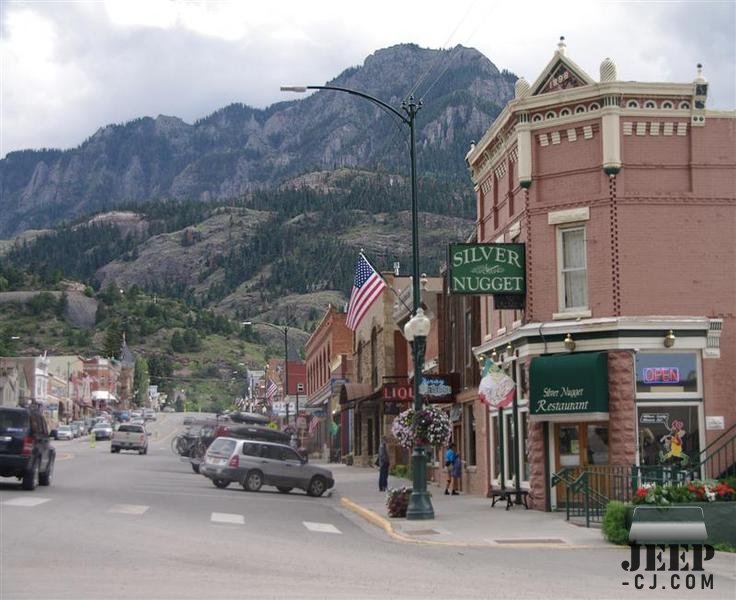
(565, 112)
(594, 106)
(632, 104)
(684, 106)
(579, 109)
(650, 104)
(536, 118)
(550, 115)
(667, 105)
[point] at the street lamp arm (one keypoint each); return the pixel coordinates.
(381, 103)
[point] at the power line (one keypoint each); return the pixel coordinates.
(440, 56)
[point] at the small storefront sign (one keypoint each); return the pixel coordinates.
(487, 269)
(434, 389)
(573, 386)
(714, 423)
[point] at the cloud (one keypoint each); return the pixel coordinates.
(70, 68)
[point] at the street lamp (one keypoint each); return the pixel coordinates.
(420, 506)
(285, 330)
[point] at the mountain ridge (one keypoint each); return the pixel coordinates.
(238, 149)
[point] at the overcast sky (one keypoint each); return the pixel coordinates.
(70, 67)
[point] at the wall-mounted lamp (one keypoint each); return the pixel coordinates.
(669, 339)
(494, 355)
(509, 350)
(569, 343)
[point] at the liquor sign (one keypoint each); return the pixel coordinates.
(487, 269)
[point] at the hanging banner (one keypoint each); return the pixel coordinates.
(496, 389)
(487, 269)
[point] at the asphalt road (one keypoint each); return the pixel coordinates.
(146, 527)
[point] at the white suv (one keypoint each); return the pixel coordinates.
(253, 464)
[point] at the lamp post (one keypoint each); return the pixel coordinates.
(420, 506)
(285, 330)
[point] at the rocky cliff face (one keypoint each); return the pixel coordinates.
(238, 148)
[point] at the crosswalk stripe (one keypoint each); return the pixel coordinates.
(28, 502)
(321, 527)
(128, 509)
(234, 519)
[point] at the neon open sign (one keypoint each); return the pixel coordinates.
(661, 375)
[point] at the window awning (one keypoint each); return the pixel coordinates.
(569, 387)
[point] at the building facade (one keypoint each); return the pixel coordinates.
(623, 194)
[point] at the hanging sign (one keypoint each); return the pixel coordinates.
(487, 269)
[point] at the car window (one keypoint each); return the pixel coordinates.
(250, 449)
(130, 429)
(289, 454)
(13, 421)
(222, 446)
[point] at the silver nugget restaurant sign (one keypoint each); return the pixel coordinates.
(487, 269)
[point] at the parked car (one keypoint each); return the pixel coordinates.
(149, 414)
(211, 431)
(64, 432)
(25, 449)
(254, 464)
(102, 431)
(130, 437)
(76, 429)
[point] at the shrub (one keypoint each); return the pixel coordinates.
(397, 501)
(614, 523)
(403, 471)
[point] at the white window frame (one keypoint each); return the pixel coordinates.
(659, 398)
(561, 272)
(673, 402)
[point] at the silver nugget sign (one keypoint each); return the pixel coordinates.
(487, 269)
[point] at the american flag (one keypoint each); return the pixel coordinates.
(271, 389)
(367, 287)
(313, 424)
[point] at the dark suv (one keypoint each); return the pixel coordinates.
(25, 450)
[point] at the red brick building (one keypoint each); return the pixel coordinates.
(327, 369)
(624, 194)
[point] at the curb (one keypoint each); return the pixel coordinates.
(383, 523)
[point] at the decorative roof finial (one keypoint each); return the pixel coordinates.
(699, 78)
(608, 70)
(522, 89)
(561, 45)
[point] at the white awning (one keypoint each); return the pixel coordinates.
(103, 395)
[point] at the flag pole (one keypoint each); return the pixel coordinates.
(388, 285)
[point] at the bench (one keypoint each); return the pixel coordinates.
(507, 493)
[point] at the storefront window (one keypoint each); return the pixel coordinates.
(524, 425)
(469, 429)
(508, 432)
(597, 444)
(669, 434)
(569, 445)
(666, 372)
(496, 445)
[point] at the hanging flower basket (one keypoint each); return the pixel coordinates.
(397, 501)
(428, 427)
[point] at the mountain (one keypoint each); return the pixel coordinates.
(239, 149)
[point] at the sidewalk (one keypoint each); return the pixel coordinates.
(459, 520)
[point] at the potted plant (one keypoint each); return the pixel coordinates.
(397, 501)
(427, 427)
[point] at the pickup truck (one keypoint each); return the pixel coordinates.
(130, 437)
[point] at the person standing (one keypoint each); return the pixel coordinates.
(383, 465)
(450, 457)
(457, 473)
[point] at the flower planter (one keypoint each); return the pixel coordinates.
(397, 501)
(720, 519)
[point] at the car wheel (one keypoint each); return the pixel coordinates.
(220, 483)
(253, 481)
(195, 468)
(317, 486)
(284, 490)
(45, 477)
(112, 451)
(30, 478)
